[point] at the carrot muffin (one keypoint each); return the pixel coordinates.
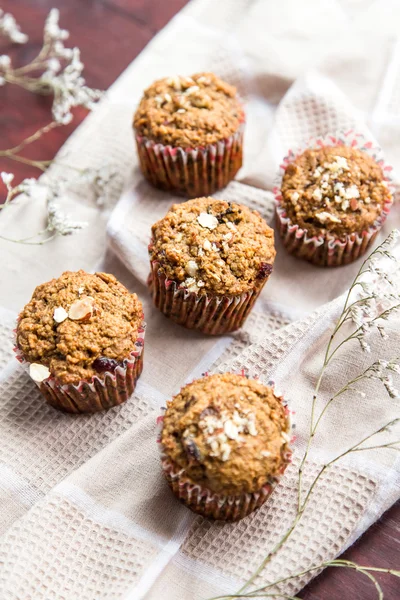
(82, 337)
(224, 445)
(209, 262)
(333, 202)
(189, 134)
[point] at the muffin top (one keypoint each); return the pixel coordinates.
(79, 325)
(209, 245)
(334, 190)
(229, 434)
(189, 112)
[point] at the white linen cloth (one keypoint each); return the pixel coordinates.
(84, 511)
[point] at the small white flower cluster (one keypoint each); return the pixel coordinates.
(59, 223)
(61, 73)
(101, 180)
(25, 187)
(377, 294)
(69, 89)
(5, 65)
(381, 370)
(67, 84)
(10, 29)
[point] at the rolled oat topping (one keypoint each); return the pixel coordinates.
(189, 111)
(228, 433)
(68, 334)
(336, 189)
(209, 245)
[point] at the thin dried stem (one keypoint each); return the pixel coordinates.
(315, 422)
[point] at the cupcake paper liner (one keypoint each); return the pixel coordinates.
(99, 393)
(207, 313)
(191, 172)
(212, 505)
(209, 504)
(327, 250)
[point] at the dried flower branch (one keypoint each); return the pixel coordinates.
(372, 299)
(56, 70)
(58, 223)
(262, 592)
(60, 73)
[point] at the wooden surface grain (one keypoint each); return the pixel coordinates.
(110, 34)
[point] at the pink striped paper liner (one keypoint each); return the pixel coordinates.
(207, 313)
(96, 394)
(191, 172)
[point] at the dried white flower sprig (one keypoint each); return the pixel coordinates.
(10, 29)
(58, 223)
(56, 70)
(371, 301)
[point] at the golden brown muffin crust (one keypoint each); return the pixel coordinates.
(74, 349)
(228, 433)
(209, 245)
(334, 190)
(189, 112)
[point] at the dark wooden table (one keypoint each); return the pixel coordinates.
(110, 33)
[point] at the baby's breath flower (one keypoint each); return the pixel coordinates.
(59, 223)
(356, 315)
(62, 52)
(381, 370)
(6, 178)
(52, 31)
(382, 332)
(102, 179)
(10, 29)
(391, 240)
(388, 384)
(5, 62)
(364, 346)
(53, 65)
(69, 89)
(61, 73)
(393, 366)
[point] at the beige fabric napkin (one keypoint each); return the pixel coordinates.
(84, 511)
